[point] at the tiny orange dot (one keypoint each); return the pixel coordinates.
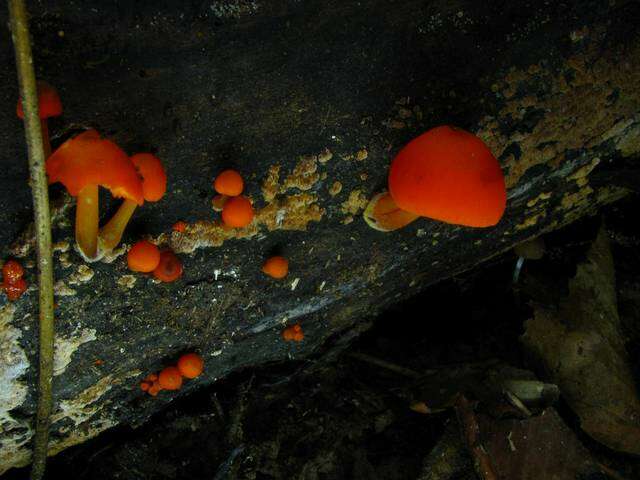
(229, 183)
(237, 212)
(179, 226)
(143, 257)
(276, 267)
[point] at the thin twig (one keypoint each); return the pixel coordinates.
(39, 189)
(407, 372)
(471, 433)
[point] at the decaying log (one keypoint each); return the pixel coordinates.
(310, 100)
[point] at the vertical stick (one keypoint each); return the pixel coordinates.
(39, 188)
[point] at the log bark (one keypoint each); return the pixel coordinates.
(310, 100)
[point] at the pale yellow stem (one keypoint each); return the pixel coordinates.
(111, 233)
(87, 221)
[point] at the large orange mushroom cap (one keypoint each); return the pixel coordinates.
(88, 159)
(170, 378)
(49, 104)
(450, 175)
(154, 178)
(190, 365)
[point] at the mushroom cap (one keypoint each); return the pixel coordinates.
(450, 175)
(170, 267)
(276, 267)
(143, 257)
(88, 159)
(293, 333)
(154, 178)
(170, 379)
(12, 271)
(229, 182)
(49, 104)
(15, 289)
(190, 365)
(237, 212)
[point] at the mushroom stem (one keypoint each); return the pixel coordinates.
(46, 143)
(384, 215)
(87, 221)
(111, 233)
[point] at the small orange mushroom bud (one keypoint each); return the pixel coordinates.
(276, 267)
(143, 257)
(144, 386)
(12, 271)
(229, 183)
(179, 226)
(170, 378)
(237, 212)
(293, 333)
(170, 267)
(14, 290)
(190, 365)
(154, 389)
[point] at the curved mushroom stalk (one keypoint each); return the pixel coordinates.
(154, 185)
(87, 222)
(111, 233)
(384, 215)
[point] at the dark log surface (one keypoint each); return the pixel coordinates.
(553, 89)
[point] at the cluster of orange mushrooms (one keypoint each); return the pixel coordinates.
(446, 174)
(190, 366)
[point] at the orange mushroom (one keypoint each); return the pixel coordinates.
(276, 267)
(170, 379)
(237, 212)
(179, 226)
(12, 282)
(154, 388)
(154, 186)
(12, 271)
(293, 333)
(81, 164)
(49, 105)
(15, 289)
(229, 183)
(143, 257)
(446, 174)
(170, 267)
(190, 365)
